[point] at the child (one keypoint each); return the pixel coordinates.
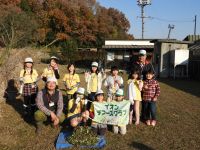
(71, 81)
(119, 98)
(113, 82)
(98, 128)
(151, 91)
(94, 81)
(134, 94)
(51, 70)
(28, 79)
(77, 108)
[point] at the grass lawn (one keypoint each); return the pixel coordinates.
(178, 125)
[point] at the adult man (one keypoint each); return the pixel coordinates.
(50, 104)
(144, 66)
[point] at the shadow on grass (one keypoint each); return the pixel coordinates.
(11, 95)
(140, 146)
(189, 86)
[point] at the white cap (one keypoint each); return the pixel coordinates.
(54, 57)
(99, 92)
(28, 60)
(142, 52)
(51, 79)
(95, 64)
(119, 92)
(81, 91)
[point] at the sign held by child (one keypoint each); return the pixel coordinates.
(114, 113)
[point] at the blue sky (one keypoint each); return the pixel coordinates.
(177, 12)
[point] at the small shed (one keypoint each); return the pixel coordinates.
(179, 60)
(123, 52)
(162, 55)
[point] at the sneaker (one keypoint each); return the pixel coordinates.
(148, 122)
(153, 123)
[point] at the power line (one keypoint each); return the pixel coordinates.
(166, 20)
(142, 4)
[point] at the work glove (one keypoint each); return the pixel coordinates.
(86, 101)
(77, 100)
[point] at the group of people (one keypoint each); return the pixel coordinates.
(48, 105)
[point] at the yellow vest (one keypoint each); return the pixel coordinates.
(93, 82)
(78, 108)
(49, 73)
(137, 89)
(28, 77)
(71, 80)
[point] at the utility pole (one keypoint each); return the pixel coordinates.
(142, 4)
(170, 28)
(195, 26)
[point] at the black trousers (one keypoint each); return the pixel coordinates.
(91, 97)
(29, 103)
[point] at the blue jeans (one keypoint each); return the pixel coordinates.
(149, 110)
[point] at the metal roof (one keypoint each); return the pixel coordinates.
(171, 41)
(127, 46)
(192, 38)
(195, 46)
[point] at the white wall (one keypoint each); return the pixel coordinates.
(179, 57)
(134, 42)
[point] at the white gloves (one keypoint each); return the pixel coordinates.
(77, 100)
(86, 101)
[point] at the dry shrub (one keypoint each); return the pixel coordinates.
(11, 68)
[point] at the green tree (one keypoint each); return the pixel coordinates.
(68, 50)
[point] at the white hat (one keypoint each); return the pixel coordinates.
(119, 92)
(81, 91)
(54, 57)
(142, 52)
(28, 60)
(99, 92)
(51, 79)
(95, 64)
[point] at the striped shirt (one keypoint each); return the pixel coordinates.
(151, 90)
